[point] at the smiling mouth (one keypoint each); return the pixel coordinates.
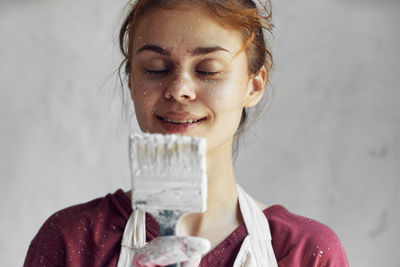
(179, 121)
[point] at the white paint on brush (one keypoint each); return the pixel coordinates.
(168, 172)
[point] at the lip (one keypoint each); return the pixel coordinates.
(174, 127)
(180, 115)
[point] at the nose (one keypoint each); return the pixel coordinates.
(180, 89)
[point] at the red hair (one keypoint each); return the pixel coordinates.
(241, 15)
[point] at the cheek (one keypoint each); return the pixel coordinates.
(144, 97)
(225, 96)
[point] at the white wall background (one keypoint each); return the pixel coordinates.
(328, 149)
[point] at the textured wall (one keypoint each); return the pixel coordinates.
(328, 148)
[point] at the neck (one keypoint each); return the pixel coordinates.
(222, 192)
(222, 201)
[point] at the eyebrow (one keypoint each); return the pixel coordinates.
(155, 48)
(207, 50)
(196, 52)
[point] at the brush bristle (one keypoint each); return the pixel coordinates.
(168, 172)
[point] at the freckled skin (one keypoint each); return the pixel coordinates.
(219, 98)
(213, 86)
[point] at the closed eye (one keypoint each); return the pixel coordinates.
(156, 71)
(208, 73)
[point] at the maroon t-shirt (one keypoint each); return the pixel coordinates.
(90, 234)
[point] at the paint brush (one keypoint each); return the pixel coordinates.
(168, 175)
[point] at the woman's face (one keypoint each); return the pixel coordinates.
(187, 77)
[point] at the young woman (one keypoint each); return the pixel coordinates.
(193, 68)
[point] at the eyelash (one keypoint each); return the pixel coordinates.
(155, 72)
(158, 72)
(208, 73)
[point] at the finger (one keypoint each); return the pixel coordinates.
(171, 249)
(193, 262)
(193, 245)
(141, 261)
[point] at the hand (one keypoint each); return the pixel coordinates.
(168, 250)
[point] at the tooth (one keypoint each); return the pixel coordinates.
(179, 121)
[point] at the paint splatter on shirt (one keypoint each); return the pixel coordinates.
(90, 234)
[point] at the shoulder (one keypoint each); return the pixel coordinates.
(301, 241)
(97, 210)
(66, 229)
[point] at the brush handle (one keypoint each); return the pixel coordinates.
(168, 220)
(174, 265)
(169, 229)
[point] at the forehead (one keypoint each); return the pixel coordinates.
(183, 28)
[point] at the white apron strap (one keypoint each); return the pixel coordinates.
(257, 245)
(256, 249)
(134, 237)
